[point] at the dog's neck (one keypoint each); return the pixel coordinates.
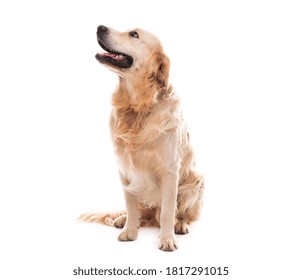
(140, 96)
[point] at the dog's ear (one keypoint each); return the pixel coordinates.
(159, 69)
(155, 82)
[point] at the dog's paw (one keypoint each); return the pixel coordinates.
(127, 235)
(120, 221)
(168, 244)
(181, 228)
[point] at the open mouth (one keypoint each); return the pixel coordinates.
(113, 57)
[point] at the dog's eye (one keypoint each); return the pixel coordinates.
(133, 34)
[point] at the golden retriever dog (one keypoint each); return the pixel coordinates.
(150, 138)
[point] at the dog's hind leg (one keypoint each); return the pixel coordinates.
(120, 221)
(188, 202)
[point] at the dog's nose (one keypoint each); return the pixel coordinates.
(102, 28)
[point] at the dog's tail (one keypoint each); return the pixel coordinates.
(101, 218)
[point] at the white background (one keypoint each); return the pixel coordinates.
(237, 68)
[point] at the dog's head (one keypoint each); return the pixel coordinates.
(135, 52)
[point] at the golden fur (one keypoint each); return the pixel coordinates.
(150, 137)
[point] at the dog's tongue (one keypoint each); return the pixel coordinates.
(114, 56)
(109, 54)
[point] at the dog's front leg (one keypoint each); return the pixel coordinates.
(130, 230)
(167, 214)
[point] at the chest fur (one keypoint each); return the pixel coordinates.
(135, 145)
(141, 141)
(132, 132)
